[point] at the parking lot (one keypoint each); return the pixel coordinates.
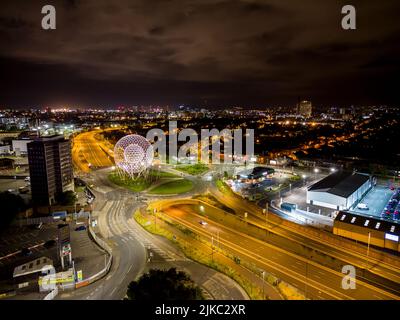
(16, 238)
(247, 187)
(11, 184)
(298, 196)
(376, 200)
(88, 256)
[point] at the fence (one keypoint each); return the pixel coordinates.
(306, 217)
(50, 219)
(30, 221)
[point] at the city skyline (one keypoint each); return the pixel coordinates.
(205, 53)
(218, 151)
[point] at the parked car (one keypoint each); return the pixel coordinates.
(362, 206)
(80, 228)
(26, 252)
(37, 226)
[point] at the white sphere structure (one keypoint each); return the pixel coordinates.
(133, 154)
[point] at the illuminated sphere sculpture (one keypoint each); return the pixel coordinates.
(133, 154)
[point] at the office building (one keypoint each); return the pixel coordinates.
(304, 108)
(50, 166)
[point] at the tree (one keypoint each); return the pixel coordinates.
(226, 174)
(11, 205)
(67, 198)
(164, 285)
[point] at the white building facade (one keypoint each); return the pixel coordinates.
(339, 192)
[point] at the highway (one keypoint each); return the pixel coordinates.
(129, 254)
(88, 152)
(304, 267)
(319, 241)
(114, 208)
(317, 281)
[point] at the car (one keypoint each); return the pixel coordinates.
(49, 244)
(362, 206)
(26, 252)
(203, 223)
(80, 228)
(39, 226)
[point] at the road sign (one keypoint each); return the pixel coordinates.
(66, 250)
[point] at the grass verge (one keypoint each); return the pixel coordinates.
(221, 185)
(199, 255)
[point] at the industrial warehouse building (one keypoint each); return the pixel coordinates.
(380, 233)
(340, 190)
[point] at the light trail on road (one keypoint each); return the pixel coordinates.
(236, 240)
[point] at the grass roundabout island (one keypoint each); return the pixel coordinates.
(141, 183)
(156, 182)
(173, 187)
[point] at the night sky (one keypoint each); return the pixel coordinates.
(214, 53)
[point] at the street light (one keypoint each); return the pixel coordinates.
(369, 241)
(263, 277)
(212, 248)
(316, 170)
(333, 169)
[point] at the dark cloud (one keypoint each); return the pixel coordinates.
(242, 52)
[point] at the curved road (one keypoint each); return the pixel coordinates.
(131, 245)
